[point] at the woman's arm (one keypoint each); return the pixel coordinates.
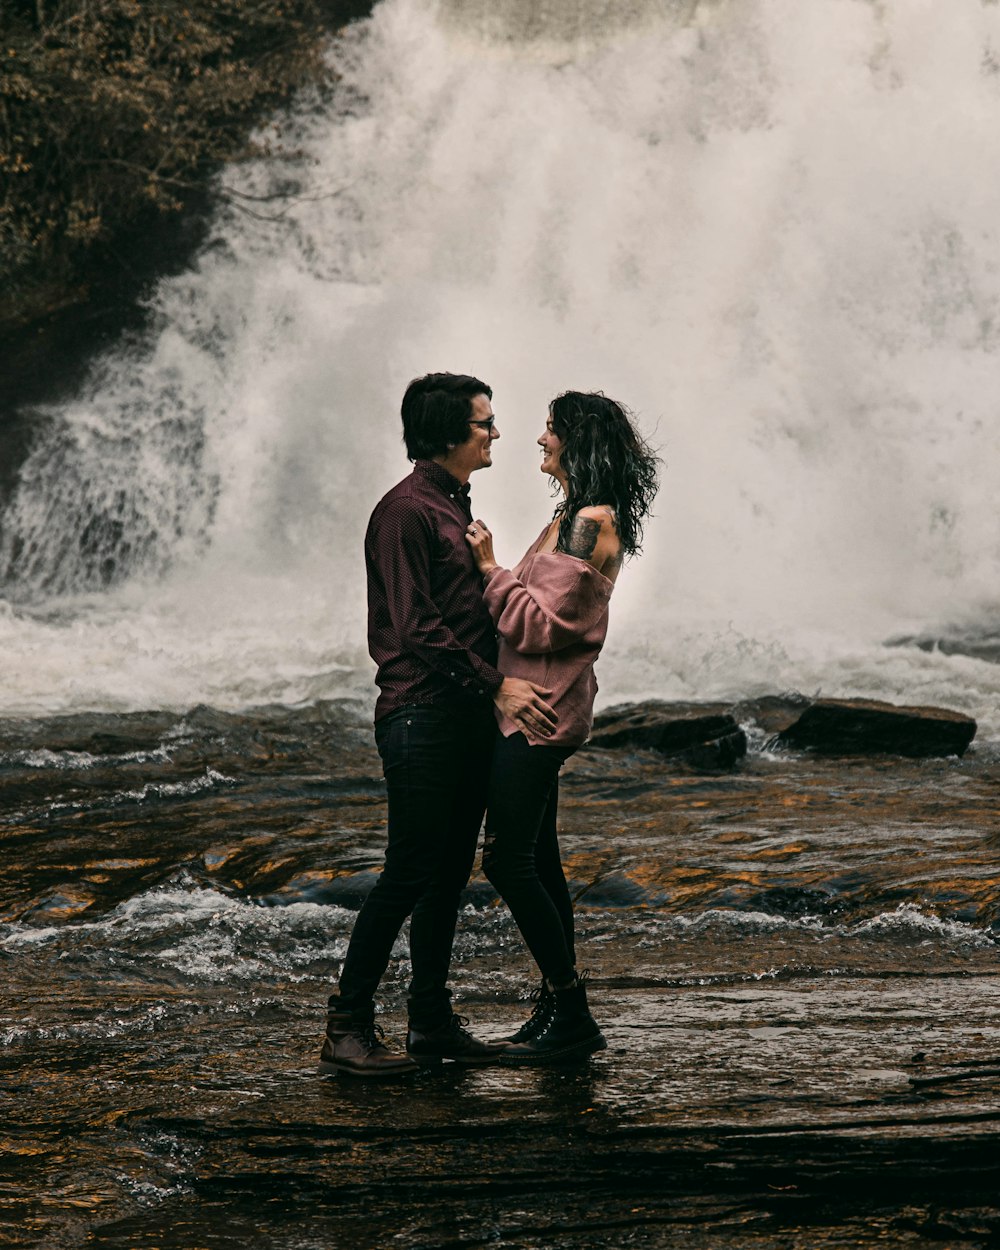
(563, 603)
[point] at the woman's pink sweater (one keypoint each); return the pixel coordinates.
(551, 612)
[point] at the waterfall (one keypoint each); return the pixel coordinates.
(768, 227)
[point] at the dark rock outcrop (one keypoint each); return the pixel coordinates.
(708, 735)
(705, 735)
(865, 727)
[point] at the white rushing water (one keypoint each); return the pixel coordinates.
(769, 227)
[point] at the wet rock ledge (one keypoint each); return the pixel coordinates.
(705, 735)
(711, 735)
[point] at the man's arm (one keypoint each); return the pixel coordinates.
(401, 544)
(404, 546)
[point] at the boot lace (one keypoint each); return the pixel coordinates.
(371, 1035)
(542, 997)
(539, 997)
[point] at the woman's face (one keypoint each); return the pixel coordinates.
(551, 445)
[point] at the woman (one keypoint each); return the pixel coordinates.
(551, 612)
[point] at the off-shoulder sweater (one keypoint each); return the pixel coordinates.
(551, 612)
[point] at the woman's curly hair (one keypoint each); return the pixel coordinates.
(606, 461)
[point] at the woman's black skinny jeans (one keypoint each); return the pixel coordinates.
(521, 852)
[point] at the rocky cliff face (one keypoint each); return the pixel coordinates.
(114, 117)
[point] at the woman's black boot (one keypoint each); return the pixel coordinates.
(541, 1015)
(571, 1032)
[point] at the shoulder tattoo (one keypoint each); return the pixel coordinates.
(583, 537)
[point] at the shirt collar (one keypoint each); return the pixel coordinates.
(441, 478)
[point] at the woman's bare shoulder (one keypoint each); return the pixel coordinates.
(603, 513)
(592, 536)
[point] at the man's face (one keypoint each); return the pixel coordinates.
(476, 452)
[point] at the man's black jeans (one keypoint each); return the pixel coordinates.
(521, 853)
(436, 762)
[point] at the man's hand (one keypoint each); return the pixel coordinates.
(521, 702)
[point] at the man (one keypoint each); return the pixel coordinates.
(435, 647)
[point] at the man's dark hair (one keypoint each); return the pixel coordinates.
(606, 461)
(436, 412)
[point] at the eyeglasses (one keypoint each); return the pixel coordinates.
(488, 424)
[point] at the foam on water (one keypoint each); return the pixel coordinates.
(211, 779)
(70, 761)
(764, 225)
(199, 933)
(206, 936)
(906, 923)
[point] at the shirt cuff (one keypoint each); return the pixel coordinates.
(492, 680)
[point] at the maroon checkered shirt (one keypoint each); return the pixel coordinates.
(428, 628)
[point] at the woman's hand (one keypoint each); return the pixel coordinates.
(480, 540)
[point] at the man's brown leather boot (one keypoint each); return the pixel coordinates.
(356, 1047)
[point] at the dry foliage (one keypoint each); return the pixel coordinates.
(112, 110)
